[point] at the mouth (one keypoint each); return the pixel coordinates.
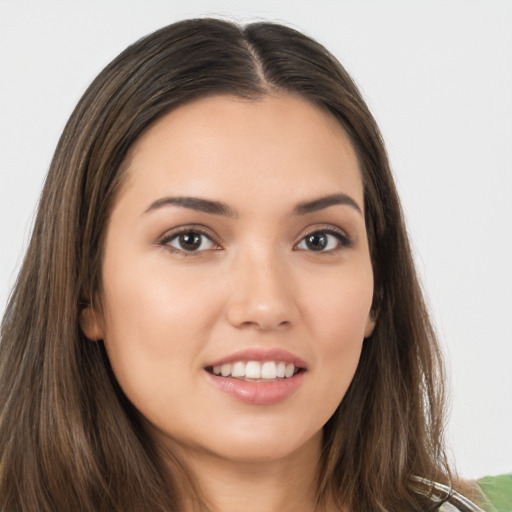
(256, 371)
(258, 376)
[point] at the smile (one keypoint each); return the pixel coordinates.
(258, 377)
(256, 371)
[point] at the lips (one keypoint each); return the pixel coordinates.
(258, 377)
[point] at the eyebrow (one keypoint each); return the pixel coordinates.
(325, 202)
(220, 208)
(193, 203)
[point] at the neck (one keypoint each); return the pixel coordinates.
(285, 484)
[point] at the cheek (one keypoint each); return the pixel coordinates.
(339, 308)
(155, 327)
(338, 314)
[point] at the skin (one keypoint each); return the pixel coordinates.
(167, 313)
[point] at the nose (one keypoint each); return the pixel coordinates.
(262, 294)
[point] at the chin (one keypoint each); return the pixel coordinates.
(263, 446)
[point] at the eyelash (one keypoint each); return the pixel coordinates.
(192, 230)
(343, 240)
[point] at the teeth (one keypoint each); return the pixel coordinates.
(253, 370)
(225, 370)
(238, 370)
(269, 370)
(288, 371)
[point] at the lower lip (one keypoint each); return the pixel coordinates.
(258, 393)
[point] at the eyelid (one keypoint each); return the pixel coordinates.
(187, 228)
(344, 239)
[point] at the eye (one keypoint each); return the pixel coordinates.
(190, 241)
(323, 241)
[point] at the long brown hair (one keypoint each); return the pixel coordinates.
(70, 440)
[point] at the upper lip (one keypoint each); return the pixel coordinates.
(261, 355)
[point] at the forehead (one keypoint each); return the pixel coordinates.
(222, 145)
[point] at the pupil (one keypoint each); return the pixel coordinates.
(190, 241)
(316, 241)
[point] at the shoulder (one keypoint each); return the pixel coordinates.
(496, 493)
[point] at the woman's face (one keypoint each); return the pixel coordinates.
(237, 282)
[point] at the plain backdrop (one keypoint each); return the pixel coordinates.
(438, 77)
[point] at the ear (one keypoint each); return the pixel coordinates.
(370, 324)
(91, 324)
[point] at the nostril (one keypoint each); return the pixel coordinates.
(261, 299)
(264, 325)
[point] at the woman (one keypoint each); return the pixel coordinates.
(218, 308)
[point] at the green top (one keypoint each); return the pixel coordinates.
(497, 493)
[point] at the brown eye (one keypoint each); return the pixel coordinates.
(191, 241)
(323, 241)
(316, 241)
